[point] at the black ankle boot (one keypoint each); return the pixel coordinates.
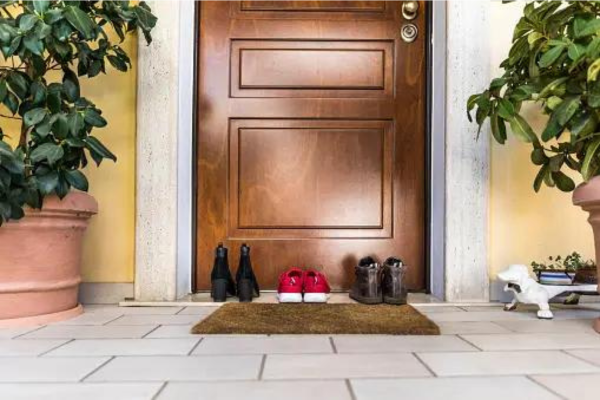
(394, 291)
(221, 280)
(247, 285)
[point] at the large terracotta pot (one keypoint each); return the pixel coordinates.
(587, 196)
(40, 258)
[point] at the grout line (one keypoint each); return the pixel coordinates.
(195, 346)
(149, 332)
(469, 343)
(56, 347)
(350, 389)
(424, 364)
(114, 319)
(97, 369)
(577, 357)
(262, 367)
(545, 387)
(28, 332)
(333, 345)
(159, 391)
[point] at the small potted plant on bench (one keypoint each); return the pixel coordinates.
(568, 270)
(44, 210)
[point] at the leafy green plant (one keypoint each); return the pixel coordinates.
(47, 46)
(570, 263)
(554, 62)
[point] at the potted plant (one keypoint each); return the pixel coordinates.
(568, 270)
(554, 62)
(44, 210)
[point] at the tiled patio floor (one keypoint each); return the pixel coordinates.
(147, 353)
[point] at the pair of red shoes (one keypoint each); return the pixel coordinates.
(296, 285)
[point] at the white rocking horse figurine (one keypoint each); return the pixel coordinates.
(528, 291)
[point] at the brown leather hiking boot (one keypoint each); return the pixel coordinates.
(392, 285)
(367, 284)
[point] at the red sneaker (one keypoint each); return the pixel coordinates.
(316, 287)
(290, 286)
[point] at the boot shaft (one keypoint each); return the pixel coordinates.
(392, 282)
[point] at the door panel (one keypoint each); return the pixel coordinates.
(311, 69)
(311, 138)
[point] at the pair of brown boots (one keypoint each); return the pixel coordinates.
(376, 284)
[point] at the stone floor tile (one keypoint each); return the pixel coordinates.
(428, 309)
(91, 319)
(272, 390)
(399, 344)
(339, 366)
(589, 355)
(156, 320)
(126, 347)
(264, 345)
(89, 332)
(463, 388)
(489, 316)
(552, 326)
(453, 328)
(115, 309)
(572, 386)
(177, 368)
(79, 391)
(198, 310)
(172, 332)
(535, 341)
(505, 363)
(40, 369)
(10, 333)
(28, 347)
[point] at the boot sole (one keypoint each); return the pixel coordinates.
(393, 301)
(289, 297)
(366, 300)
(316, 297)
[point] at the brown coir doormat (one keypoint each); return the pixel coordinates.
(258, 318)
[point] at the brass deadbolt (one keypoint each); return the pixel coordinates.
(409, 10)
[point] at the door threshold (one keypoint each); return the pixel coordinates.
(204, 300)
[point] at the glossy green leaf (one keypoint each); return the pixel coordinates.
(521, 129)
(77, 179)
(587, 167)
(47, 151)
(80, 21)
(34, 116)
(549, 57)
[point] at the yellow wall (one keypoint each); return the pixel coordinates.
(526, 225)
(109, 245)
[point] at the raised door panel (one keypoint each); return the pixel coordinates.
(273, 68)
(310, 179)
(311, 9)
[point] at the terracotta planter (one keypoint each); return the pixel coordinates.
(40, 261)
(587, 196)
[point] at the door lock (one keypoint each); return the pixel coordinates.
(409, 32)
(409, 10)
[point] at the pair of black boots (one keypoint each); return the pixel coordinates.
(222, 284)
(375, 284)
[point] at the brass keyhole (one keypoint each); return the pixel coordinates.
(409, 32)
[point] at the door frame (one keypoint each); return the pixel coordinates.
(165, 212)
(434, 156)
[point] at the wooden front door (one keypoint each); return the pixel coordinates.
(311, 137)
